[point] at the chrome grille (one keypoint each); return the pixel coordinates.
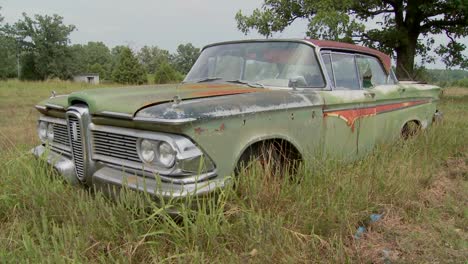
(61, 135)
(115, 146)
(61, 142)
(75, 133)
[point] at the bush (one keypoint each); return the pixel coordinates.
(167, 74)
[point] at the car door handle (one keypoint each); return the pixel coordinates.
(369, 94)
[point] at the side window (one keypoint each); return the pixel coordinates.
(345, 72)
(370, 71)
(328, 64)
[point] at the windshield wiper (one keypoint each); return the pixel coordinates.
(251, 84)
(208, 79)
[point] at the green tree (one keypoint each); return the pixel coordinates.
(406, 27)
(127, 69)
(99, 69)
(44, 41)
(152, 57)
(167, 74)
(8, 52)
(185, 57)
(115, 54)
(87, 57)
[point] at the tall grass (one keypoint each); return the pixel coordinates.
(309, 218)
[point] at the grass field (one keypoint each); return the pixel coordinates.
(420, 186)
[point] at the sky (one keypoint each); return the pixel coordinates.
(162, 23)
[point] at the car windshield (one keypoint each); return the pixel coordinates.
(280, 64)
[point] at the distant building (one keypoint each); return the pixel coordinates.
(92, 78)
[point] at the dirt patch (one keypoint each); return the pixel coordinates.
(425, 231)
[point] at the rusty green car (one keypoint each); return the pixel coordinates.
(311, 97)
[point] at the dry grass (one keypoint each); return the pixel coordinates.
(435, 235)
(456, 91)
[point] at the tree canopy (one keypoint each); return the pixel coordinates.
(185, 57)
(44, 40)
(404, 28)
(8, 52)
(128, 70)
(152, 58)
(41, 44)
(93, 57)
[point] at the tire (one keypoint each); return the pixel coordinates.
(275, 157)
(410, 130)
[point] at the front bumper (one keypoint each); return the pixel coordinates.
(106, 178)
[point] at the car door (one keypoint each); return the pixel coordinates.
(349, 110)
(387, 95)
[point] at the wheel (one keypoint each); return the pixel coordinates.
(410, 129)
(276, 158)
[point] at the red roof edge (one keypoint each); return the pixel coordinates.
(327, 44)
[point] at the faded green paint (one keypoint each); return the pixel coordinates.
(128, 100)
(226, 125)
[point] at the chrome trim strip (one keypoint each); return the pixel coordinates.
(326, 110)
(260, 40)
(401, 108)
(139, 169)
(115, 115)
(53, 120)
(164, 121)
(40, 107)
(108, 176)
(54, 106)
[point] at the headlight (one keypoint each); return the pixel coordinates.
(42, 131)
(147, 151)
(50, 132)
(157, 153)
(166, 154)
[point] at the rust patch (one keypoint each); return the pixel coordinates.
(206, 86)
(132, 179)
(350, 116)
(221, 128)
(199, 130)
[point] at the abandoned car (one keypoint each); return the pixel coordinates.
(310, 96)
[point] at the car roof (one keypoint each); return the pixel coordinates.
(335, 45)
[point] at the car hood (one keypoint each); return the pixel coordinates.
(129, 100)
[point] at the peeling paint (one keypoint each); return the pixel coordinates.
(232, 105)
(199, 130)
(351, 115)
(221, 128)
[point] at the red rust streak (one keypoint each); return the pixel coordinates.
(351, 115)
(391, 107)
(206, 86)
(199, 130)
(221, 128)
